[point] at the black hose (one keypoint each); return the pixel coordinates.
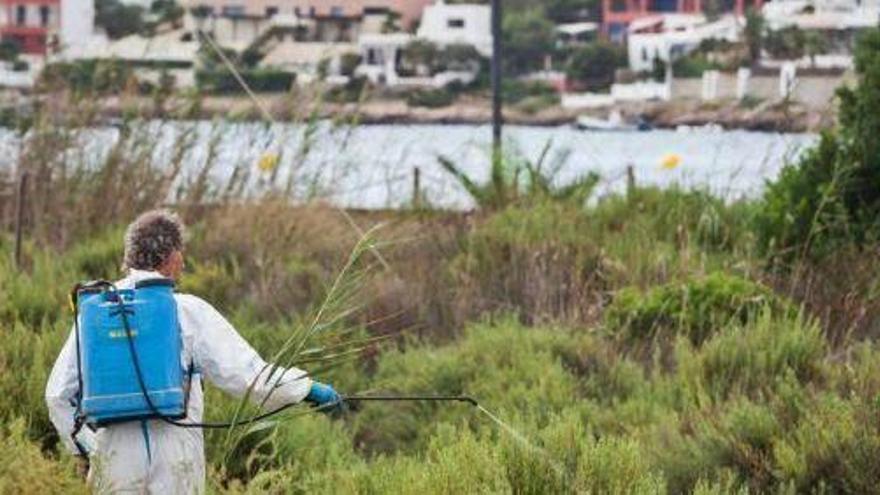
(412, 398)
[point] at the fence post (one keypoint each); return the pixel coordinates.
(19, 217)
(417, 188)
(630, 179)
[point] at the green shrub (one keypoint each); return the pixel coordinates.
(351, 92)
(833, 447)
(693, 66)
(221, 81)
(430, 98)
(533, 261)
(752, 358)
(695, 309)
(89, 76)
(594, 65)
(24, 469)
(515, 90)
(803, 211)
(822, 202)
(99, 257)
(535, 104)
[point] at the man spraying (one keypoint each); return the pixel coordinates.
(152, 455)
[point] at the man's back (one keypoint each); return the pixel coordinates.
(154, 456)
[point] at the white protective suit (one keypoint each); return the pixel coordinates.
(153, 456)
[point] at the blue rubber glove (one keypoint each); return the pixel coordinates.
(323, 396)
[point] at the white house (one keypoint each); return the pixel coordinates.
(667, 36)
(822, 14)
(77, 23)
(468, 24)
(379, 56)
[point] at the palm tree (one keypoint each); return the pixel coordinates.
(514, 180)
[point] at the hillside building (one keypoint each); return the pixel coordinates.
(32, 24)
(618, 14)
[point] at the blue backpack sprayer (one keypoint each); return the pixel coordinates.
(128, 346)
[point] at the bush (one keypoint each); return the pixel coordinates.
(752, 359)
(430, 98)
(24, 469)
(533, 261)
(348, 63)
(350, 92)
(515, 90)
(693, 65)
(822, 202)
(695, 309)
(89, 76)
(594, 65)
(221, 81)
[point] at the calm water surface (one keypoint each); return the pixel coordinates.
(372, 166)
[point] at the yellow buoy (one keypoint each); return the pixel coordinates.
(268, 162)
(670, 162)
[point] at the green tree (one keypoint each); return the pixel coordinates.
(9, 50)
(528, 38)
(830, 197)
(754, 33)
(166, 11)
(814, 44)
(786, 43)
(594, 65)
(420, 57)
(117, 19)
(460, 57)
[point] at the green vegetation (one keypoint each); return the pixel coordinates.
(822, 203)
(740, 394)
(260, 80)
(430, 98)
(593, 65)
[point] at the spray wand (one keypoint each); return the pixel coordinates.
(412, 398)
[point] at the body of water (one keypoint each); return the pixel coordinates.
(372, 166)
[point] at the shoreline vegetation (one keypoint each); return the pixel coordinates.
(469, 110)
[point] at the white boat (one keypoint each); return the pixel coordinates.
(614, 122)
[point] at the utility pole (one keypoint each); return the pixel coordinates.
(19, 217)
(497, 117)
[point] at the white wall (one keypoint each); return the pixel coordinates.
(454, 24)
(77, 22)
(643, 48)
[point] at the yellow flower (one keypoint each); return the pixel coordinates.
(268, 162)
(670, 162)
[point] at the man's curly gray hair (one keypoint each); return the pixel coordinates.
(151, 239)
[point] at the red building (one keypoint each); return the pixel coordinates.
(30, 23)
(617, 14)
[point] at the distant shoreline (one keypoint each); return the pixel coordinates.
(469, 110)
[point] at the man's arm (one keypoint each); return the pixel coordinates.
(61, 394)
(232, 365)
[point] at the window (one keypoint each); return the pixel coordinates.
(312, 11)
(271, 11)
(374, 57)
(644, 54)
(336, 12)
(44, 15)
(297, 12)
(455, 23)
(233, 10)
(20, 15)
